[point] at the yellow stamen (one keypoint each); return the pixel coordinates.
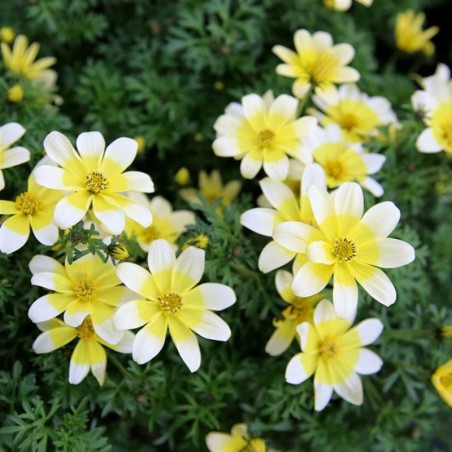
(84, 290)
(149, 234)
(96, 182)
(265, 138)
(170, 303)
(344, 249)
(328, 349)
(335, 169)
(86, 331)
(28, 203)
(298, 310)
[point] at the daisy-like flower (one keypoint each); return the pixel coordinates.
(434, 102)
(284, 206)
(263, 131)
(344, 5)
(166, 223)
(348, 245)
(344, 162)
(442, 381)
(357, 114)
(211, 187)
(9, 134)
(299, 310)
(96, 178)
(31, 209)
(335, 354)
(88, 353)
(21, 60)
(409, 36)
(237, 441)
(316, 62)
(169, 298)
(87, 287)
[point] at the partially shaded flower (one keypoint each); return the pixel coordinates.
(182, 176)
(344, 5)
(15, 94)
(237, 441)
(442, 381)
(7, 34)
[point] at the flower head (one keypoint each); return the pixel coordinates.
(237, 441)
(182, 176)
(170, 299)
(335, 354)
(299, 310)
(316, 62)
(87, 287)
(347, 244)
(410, 37)
(88, 353)
(15, 94)
(9, 134)
(263, 131)
(344, 5)
(7, 34)
(442, 381)
(96, 178)
(21, 60)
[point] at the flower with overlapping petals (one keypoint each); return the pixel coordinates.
(263, 131)
(316, 62)
(9, 134)
(87, 287)
(347, 244)
(434, 103)
(299, 310)
(409, 35)
(237, 441)
(33, 209)
(96, 178)
(335, 354)
(344, 5)
(171, 299)
(357, 114)
(88, 353)
(284, 206)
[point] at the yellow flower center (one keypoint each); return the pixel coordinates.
(265, 138)
(84, 290)
(328, 349)
(96, 182)
(335, 169)
(322, 67)
(170, 303)
(344, 249)
(254, 445)
(446, 381)
(348, 121)
(299, 310)
(85, 330)
(150, 234)
(28, 203)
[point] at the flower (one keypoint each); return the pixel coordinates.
(182, 176)
(118, 251)
(15, 94)
(446, 331)
(410, 37)
(357, 114)
(9, 134)
(21, 60)
(211, 187)
(200, 241)
(344, 162)
(96, 178)
(237, 441)
(7, 34)
(263, 131)
(33, 208)
(348, 245)
(335, 354)
(88, 353)
(284, 206)
(442, 381)
(87, 287)
(299, 310)
(435, 104)
(169, 298)
(316, 62)
(166, 223)
(344, 5)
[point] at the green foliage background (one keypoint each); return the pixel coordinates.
(166, 71)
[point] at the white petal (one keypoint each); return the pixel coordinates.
(368, 362)
(149, 341)
(99, 371)
(122, 152)
(253, 105)
(161, 256)
(351, 389)
(321, 203)
(47, 235)
(187, 345)
(278, 169)
(393, 253)
(10, 133)
(260, 220)
(373, 186)
(374, 162)
(50, 177)
(324, 311)
(293, 235)
(280, 196)
(10, 240)
(128, 316)
(132, 276)
(349, 200)
(345, 297)
(77, 372)
(426, 142)
(212, 327)
(320, 252)
(138, 182)
(382, 218)
(323, 393)
(75, 318)
(369, 330)
(41, 310)
(226, 147)
(108, 332)
(249, 167)
(295, 371)
(91, 144)
(125, 345)
(313, 174)
(311, 279)
(14, 156)
(188, 269)
(274, 256)
(216, 296)
(66, 214)
(59, 148)
(113, 219)
(43, 264)
(285, 107)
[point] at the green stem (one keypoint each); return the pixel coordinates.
(120, 367)
(304, 102)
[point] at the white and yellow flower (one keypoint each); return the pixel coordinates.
(284, 206)
(87, 287)
(442, 381)
(335, 354)
(299, 310)
(344, 5)
(316, 62)
(342, 161)
(166, 223)
(263, 131)
(88, 353)
(33, 209)
(434, 103)
(348, 245)
(237, 441)
(9, 134)
(170, 299)
(357, 114)
(409, 36)
(95, 177)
